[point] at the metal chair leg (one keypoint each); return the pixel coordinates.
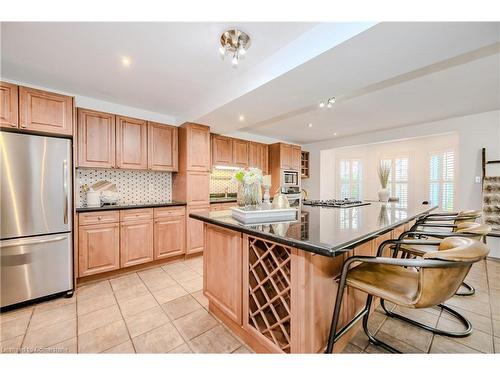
(372, 338)
(470, 290)
(336, 315)
(462, 319)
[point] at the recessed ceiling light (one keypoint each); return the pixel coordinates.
(321, 104)
(309, 125)
(334, 133)
(126, 61)
(241, 118)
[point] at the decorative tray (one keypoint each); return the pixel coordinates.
(253, 215)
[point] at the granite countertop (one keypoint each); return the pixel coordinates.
(326, 231)
(129, 206)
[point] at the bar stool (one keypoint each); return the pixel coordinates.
(446, 219)
(406, 282)
(461, 228)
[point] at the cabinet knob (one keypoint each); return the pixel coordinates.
(99, 217)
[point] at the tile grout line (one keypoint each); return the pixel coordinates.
(26, 330)
(170, 321)
(123, 317)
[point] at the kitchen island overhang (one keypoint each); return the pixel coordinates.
(274, 285)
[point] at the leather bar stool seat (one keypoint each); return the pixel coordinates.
(415, 283)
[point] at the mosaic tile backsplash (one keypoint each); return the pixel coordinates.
(132, 186)
(220, 180)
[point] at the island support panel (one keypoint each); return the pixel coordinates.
(278, 299)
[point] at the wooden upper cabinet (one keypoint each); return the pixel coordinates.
(222, 150)
(96, 139)
(45, 111)
(240, 153)
(162, 147)
(197, 147)
(258, 157)
(286, 156)
(296, 158)
(131, 143)
(9, 105)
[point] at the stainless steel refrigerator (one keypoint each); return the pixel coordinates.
(36, 226)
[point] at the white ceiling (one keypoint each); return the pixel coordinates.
(175, 66)
(384, 75)
(398, 58)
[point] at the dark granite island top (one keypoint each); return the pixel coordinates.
(129, 206)
(326, 231)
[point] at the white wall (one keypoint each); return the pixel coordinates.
(417, 150)
(473, 132)
(104, 106)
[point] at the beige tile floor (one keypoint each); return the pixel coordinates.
(163, 310)
(159, 310)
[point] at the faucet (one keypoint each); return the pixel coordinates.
(225, 192)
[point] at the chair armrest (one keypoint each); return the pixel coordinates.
(400, 242)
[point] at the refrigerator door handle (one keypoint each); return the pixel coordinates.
(7, 244)
(65, 187)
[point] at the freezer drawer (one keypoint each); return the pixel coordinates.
(35, 267)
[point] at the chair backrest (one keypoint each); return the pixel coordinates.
(438, 284)
(476, 230)
(467, 216)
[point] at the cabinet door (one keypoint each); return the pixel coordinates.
(286, 156)
(222, 150)
(258, 156)
(222, 271)
(169, 238)
(162, 147)
(98, 248)
(45, 111)
(8, 105)
(198, 188)
(131, 143)
(96, 139)
(198, 148)
(195, 230)
(136, 243)
(240, 153)
(296, 158)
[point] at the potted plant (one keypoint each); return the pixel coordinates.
(384, 170)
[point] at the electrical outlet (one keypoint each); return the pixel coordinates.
(478, 179)
(150, 187)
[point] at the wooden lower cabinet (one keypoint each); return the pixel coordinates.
(222, 273)
(169, 238)
(195, 240)
(136, 242)
(98, 248)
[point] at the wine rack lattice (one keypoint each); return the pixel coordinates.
(269, 291)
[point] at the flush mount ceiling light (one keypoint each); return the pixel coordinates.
(125, 61)
(234, 43)
(241, 118)
(309, 125)
(328, 103)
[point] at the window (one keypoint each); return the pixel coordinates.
(398, 179)
(350, 178)
(441, 173)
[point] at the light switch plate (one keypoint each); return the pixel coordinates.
(478, 179)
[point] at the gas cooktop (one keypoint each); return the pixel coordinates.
(338, 203)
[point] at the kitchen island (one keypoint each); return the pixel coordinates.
(274, 285)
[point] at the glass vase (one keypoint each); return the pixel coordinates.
(249, 195)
